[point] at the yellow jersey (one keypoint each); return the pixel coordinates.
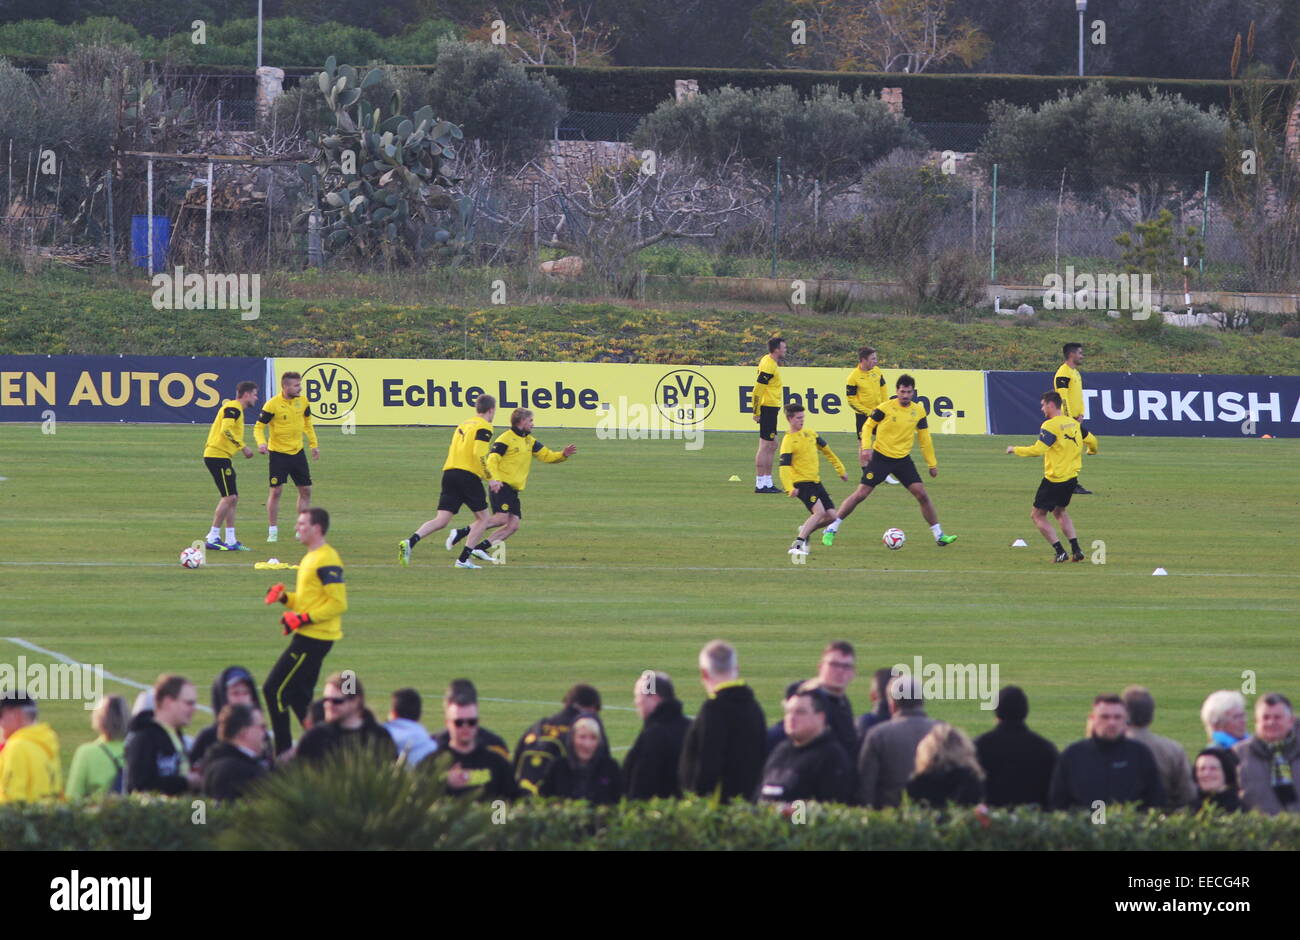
(469, 447)
(511, 457)
(1061, 446)
(865, 390)
(767, 387)
(1070, 384)
(799, 462)
(288, 419)
(895, 428)
(226, 437)
(320, 591)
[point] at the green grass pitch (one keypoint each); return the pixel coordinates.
(635, 553)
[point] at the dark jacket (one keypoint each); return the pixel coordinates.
(544, 742)
(937, 788)
(1017, 764)
(489, 740)
(228, 772)
(208, 736)
(326, 737)
(839, 719)
(1121, 771)
(650, 768)
(599, 781)
(491, 776)
(1228, 799)
(820, 770)
(153, 764)
(723, 750)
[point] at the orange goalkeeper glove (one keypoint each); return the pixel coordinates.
(277, 593)
(293, 621)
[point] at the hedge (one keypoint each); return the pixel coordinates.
(152, 824)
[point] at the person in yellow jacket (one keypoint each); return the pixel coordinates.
(29, 764)
(225, 439)
(801, 475)
(508, 462)
(315, 619)
(1060, 443)
(279, 431)
(768, 398)
(1069, 384)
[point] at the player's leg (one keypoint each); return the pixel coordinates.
(273, 690)
(273, 512)
(476, 529)
(507, 528)
(1067, 529)
(300, 473)
(851, 501)
(763, 465)
(860, 419)
(907, 474)
(304, 499)
(1044, 525)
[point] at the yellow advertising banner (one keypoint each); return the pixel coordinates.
(605, 395)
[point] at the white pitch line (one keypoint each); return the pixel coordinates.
(19, 641)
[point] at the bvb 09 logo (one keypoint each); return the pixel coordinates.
(685, 397)
(331, 391)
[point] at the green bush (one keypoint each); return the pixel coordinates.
(677, 260)
(136, 823)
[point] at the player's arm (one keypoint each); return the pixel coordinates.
(229, 420)
(546, 455)
(786, 462)
(851, 389)
(260, 427)
(309, 428)
(1063, 386)
(495, 454)
(927, 443)
(869, 429)
(482, 445)
(830, 455)
(1045, 440)
(763, 379)
(334, 599)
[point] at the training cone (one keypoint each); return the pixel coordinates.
(1019, 543)
(733, 479)
(1266, 437)
(1159, 571)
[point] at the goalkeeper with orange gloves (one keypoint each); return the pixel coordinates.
(315, 620)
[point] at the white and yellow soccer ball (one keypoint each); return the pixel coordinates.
(893, 539)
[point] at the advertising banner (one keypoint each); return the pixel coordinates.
(593, 395)
(1152, 404)
(176, 389)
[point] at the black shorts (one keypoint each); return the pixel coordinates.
(461, 488)
(1054, 495)
(860, 419)
(810, 493)
(767, 415)
(874, 473)
(223, 474)
(285, 467)
(506, 500)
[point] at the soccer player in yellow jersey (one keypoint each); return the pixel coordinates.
(865, 388)
(887, 440)
(287, 417)
(1070, 385)
(1060, 442)
(768, 398)
(508, 461)
(225, 439)
(801, 475)
(315, 619)
(463, 474)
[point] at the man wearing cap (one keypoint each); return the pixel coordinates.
(1017, 762)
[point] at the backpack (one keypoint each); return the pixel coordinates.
(542, 745)
(118, 784)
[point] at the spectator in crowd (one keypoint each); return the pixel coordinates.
(236, 761)
(835, 671)
(1017, 763)
(650, 768)
(1171, 759)
(235, 686)
(463, 761)
(29, 763)
(414, 744)
(155, 747)
(1269, 763)
(464, 692)
(1106, 765)
(888, 754)
(1224, 716)
(947, 770)
(1216, 780)
(587, 771)
(99, 766)
(810, 763)
(315, 715)
(722, 753)
(544, 741)
(347, 723)
(879, 712)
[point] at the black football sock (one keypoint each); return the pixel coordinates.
(415, 538)
(464, 553)
(1059, 549)
(1074, 544)
(460, 534)
(484, 545)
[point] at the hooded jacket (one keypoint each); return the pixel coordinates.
(229, 772)
(599, 781)
(724, 748)
(29, 765)
(324, 738)
(412, 740)
(650, 768)
(208, 736)
(152, 761)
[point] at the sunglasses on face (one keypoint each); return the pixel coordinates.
(465, 722)
(336, 701)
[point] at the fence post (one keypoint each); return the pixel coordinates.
(776, 216)
(1205, 216)
(817, 203)
(218, 115)
(537, 225)
(993, 241)
(149, 216)
(974, 216)
(112, 240)
(315, 252)
(207, 222)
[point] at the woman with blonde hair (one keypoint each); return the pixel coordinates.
(586, 771)
(98, 765)
(947, 770)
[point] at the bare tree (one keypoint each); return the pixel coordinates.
(567, 33)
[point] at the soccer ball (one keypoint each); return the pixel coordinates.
(893, 538)
(191, 557)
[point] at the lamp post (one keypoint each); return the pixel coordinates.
(259, 37)
(1081, 6)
